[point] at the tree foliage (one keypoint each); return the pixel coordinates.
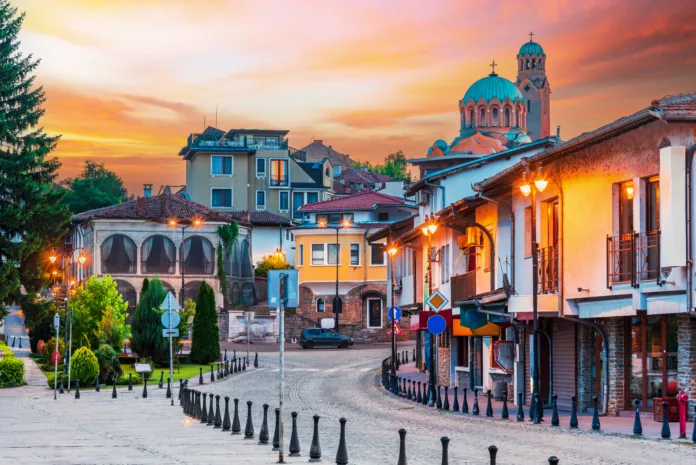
(228, 236)
(271, 262)
(84, 366)
(146, 329)
(95, 187)
(395, 166)
(205, 343)
(32, 214)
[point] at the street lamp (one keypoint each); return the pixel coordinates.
(392, 251)
(71, 290)
(429, 227)
(174, 223)
(337, 302)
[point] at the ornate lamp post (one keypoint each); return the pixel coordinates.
(174, 223)
(392, 251)
(428, 228)
(337, 302)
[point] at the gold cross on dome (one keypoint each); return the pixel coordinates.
(493, 65)
(531, 35)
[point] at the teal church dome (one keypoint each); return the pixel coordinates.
(493, 86)
(531, 48)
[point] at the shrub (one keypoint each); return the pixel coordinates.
(123, 380)
(271, 262)
(84, 366)
(51, 346)
(205, 343)
(109, 365)
(146, 328)
(11, 372)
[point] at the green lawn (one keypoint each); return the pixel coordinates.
(183, 371)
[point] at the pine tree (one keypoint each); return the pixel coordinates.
(146, 328)
(32, 216)
(205, 341)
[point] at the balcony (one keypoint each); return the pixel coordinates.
(213, 142)
(632, 258)
(463, 286)
(548, 270)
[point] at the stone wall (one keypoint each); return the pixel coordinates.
(585, 337)
(686, 363)
(443, 366)
(507, 379)
(614, 328)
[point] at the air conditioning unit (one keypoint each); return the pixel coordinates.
(423, 197)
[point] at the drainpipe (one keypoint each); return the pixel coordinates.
(439, 187)
(362, 307)
(689, 229)
(488, 235)
(512, 233)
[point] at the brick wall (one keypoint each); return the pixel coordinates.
(585, 355)
(443, 366)
(686, 363)
(614, 328)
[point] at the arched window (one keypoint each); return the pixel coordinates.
(198, 256)
(472, 118)
(507, 117)
(541, 64)
(191, 290)
(327, 173)
(118, 255)
(320, 305)
(518, 118)
(533, 64)
(246, 259)
(482, 117)
(248, 294)
(168, 287)
(128, 295)
(521, 65)
(235, 262)
(527, 63)
(494, 117)
(158, 255)
(529, 106)
(235, 295)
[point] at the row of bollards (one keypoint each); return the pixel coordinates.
(227, 367)
(419, 392)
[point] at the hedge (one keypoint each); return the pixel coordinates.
(122, 381)
(11, 372)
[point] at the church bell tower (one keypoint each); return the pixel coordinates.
(534, 85)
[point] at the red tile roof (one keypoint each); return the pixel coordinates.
(355, 176)
(361, 201)
(676, 105)
(260, 217)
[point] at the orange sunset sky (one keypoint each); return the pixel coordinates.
(128, 80)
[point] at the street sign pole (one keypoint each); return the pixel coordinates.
(281, 329)
(170, 321)
(56, 323)
(171, 350)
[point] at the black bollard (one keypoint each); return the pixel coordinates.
(200, 375)
(263, 434)
(537, 418)
(408, 390)
(455, 406)
(574, 412)
(402, 447)
(664, 434)
(406, 354)
(492, 452)
(520, 407)
(249, 428)
(426, 393)
(161, 381)
(445, 442)
(637, 426)
(693, 434)
(218, 417)
(446, 404)
(342, 452)
(554, 416)
(77, 384)
(113, 392)
(532, 407)
(398, 386)
(244, 365)
(476, 405)
(553, 460)
(465, 401)
(61, 390)
(204, 411)
(226, 424)
(211, 412)
(315, 448)
(96, 386)
(489, 406)
(225, 355)
(595, 414)
(169, 388)
(181, 390)
(256, 360)
(144, 387)
(236, 426)
(212, 375)
(187, 401)
(439, 398)
(199, 406)
(414, 394)
(130, 381)
(276, 431)
(505, 414)
(414, 355)
(14, 338)
(419, 397)
(294, 448)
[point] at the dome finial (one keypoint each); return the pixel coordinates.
(531, 35)
(493, 65)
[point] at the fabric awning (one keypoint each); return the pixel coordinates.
(489, 329)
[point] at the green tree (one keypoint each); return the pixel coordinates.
(32, 214)
(271, 262)
(89, 306)
(95, 187)
(146, 329)
(112, 328)
(205, 343)
(395, 166)
(186, 314)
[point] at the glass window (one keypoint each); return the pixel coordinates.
(260, 200)
(297, 202)
(348, 217)
(376, 254)
(300, 252)
(312, 197)
(334, 253)
(222, 198)
(323, 218)
(337, 170)
(284, 201)
(383, 216)
(279, 173)
(355, 254)
(327, 172)
(374, 308)
(221, 165)
(317, 254)
(261, 167)
(320, 305)
(335, 218)
(653, 204)
(272, 141)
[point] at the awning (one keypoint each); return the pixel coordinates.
(489, 329)
(420, 322)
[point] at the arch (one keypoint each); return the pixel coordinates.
(482, 116)
(534, 63)
(191, 289)
(235, 294)
(118, 255)
(321, 304)
(521, 65)
(527, 63)
(507, 118)
(198, 256)
(168, 287)
(247, 272)
(472, 118)
(158, 255)
(495, 116)
(248, 294)
(128, 294)
(541, 64)
(235, 264)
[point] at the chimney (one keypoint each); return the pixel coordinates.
(141, 206)
(318, 141)
(147, 190)
(558, 134)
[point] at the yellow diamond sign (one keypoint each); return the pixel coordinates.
(437, 301)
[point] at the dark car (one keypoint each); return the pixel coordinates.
(318, 337)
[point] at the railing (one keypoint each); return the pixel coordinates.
(633, 257)
(212, 141)
(463, 286)
(548, 270)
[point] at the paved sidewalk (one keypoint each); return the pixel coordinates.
(14, 328)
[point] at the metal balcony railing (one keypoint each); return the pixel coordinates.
(632, 258)
(463, 286)
(647, 256)
(548, 270)
(217, 142)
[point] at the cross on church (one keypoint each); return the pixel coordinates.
(493, 65)
(531, 34)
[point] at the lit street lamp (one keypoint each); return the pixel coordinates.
(429, 227)
(337, 302)
(392, 251)
(174, 223)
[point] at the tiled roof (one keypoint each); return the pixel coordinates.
(361, 201)
(355, 176)
(676, 105)
(157, 208)
(259, 217)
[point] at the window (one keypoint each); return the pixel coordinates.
(320, 305)
(355, 254)
(494, 117)
(271, 141)
(335, 218)
(482, 117)
(529, 107)
(374, 313)
(260, 200)
(337, 170)
(279, 173)
(318, 254)
(312, 197)
(507, 117)
(221, 198)
(652, 206)
(377, 257)
(260, 167)
(221, 166)
(444, 263)
(383, 216)
(462, 351)
(472, 118)
(302, 198)
(284, 201)
(528, 232)
(334, 254)
(327, 172)
(300, 255)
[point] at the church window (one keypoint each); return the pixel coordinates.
(533, 64)
(526, 88)
(541, 64)
(482, 117)
(521, 65)
(507, 117)
(472, 118)
(527, 63)
(494, 117)
(529, 107)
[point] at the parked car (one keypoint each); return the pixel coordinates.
(318, 337)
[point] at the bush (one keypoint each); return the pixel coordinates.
(205, 343)
(84, 366)
(146, 328)
(11, 372)
(109, 365)
(51, 346)
(123, 380)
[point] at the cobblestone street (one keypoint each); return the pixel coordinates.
(331, 383)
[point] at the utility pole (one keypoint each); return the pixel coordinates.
(281, 329)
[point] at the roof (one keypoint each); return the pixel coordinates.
(315, 170)
(362, 201)
(678, 107)
(491, 87)
(158, 208)
(359, 176)
(317, 150)
(259, 217)
(531, 48)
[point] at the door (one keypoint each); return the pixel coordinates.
(626, 254)
(374, 313)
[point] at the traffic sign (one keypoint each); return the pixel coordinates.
(174, 332)
(437, 301)
(397, 329)
(396, 311)
(170, 302)
(437, 324)
(175, 319)
(56, 320)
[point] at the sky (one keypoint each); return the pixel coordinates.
(127, 81)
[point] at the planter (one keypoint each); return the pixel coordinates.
(55, 357)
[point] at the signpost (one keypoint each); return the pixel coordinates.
(56, 323)
(396, 329)
(170, 321)
(395, 313)
(437, 324)
(437, 301)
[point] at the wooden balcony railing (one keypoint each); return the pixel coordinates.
(463, 286)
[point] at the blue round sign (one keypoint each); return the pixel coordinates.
(437, 324)
(395, 311)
